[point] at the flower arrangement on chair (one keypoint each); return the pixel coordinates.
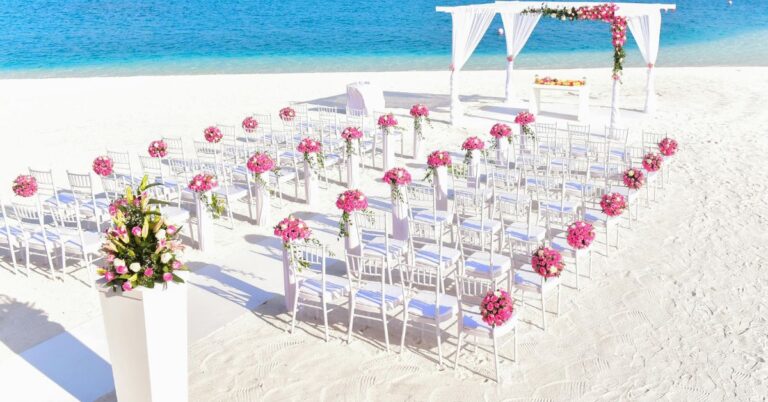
(580, 234)
(472, 144)
(158, 149)
(667, 146)
(420, 114)
(25, 185)
(103, 166)
(260, 163)
(613, 204)
(310, 147)
(634, 178)
(287, 114)
(250, 124)
(497, 307)
(348, 202)
(547, 262)
(213, 134)
(652, 162)
(501, 130)
(351, 134)
(141, 248)
(397, 177)
(525, 119)
(435, 160)
(290, 230)
(202, 184)
(386, 122)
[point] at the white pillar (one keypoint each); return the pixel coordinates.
(473, 173)
(310, 181)
(400, 217)
(456, 111)
(615, 118)
(263, 205)
(352, 241)
(441, 188)
(289, 281)
(650, 91)
(389, 149)
(353, 170)
(204, 223)
(509, 91)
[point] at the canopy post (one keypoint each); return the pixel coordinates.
(650, 90)
(615, 118)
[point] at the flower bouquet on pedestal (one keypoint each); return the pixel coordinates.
(313, 162)
(634, 178)
(350, 202)
(397, 178)
(420, 114)
(287, 114)
(387, 123)
(260, 164)
(292, 230)
(580, 234)
(668, 146)
(525, 119)
(352, 136)
(438, 164)
(25, 186)
(208, 205)
(103, 166)
(613, 204)
(499, 132)
(652, 162)
(547, 262)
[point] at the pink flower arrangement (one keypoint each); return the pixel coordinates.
(250, 124)
(547, 262)
(472, 144)
(634, 178)
(501, 130)
(287, 114)
(668, 146)
(435, 160)
(309, 146)
(103, 165)
(158, 149)
(418, 111)
(260, 162)
(580, 234)
(652, 162)
(25, 185)
(387, 121)
(613, 204)
(212, 134)
(348, 202)
(525, 118)
(351, 133)
(203, 182)
(497, 307)
(397, 177)
(292, 229)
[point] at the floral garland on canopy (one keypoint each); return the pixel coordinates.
(601, 12)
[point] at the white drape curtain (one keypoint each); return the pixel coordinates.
(469, 26)
(646, 30)
(518, 28)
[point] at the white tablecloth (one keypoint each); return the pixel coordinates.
(365, 96)
(583, 91)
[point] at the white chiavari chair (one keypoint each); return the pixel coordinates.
(47, 191)
(478, 231)
(12, 235)
(315, 288)
(175, 147)
(228, 190)
(429, 249)
(578, 139)
(650, 143)
(357, 118)
(122, 167)
(287, 172)
(594, 214)
(208, 152)
(528, 281)
(91, 205)
(374, 233)
(522, 230)
(68, 231)
(471, 291)
(34, 233)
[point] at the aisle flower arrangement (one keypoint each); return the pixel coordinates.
(547, 262)
(157, 149)
(141, 248)
(420, 114)
(386, 122)
(348, 202)
(501, 130)
(349, 135)
(472, 144)
(601, 12)
(525, 119)
(213, 134)
(291, 230)
(203, 184)
(25, 185)
(309, 147)
(103, 166)
(435, 160)
(668, 146)
(397, 177)
(497, 307)
(260, 163)
(652, 162)
(287, 114)
(580, 234)
(613, 204)
(634, 178)
(250, 124)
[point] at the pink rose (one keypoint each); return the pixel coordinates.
(167, 277)
(127, 286)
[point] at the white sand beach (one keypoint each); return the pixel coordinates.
(678, 312)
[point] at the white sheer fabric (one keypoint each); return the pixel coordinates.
(469, 26)
(518, 28)
(615, 118)
(646, 30)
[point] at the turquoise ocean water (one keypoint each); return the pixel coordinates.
(107, 38)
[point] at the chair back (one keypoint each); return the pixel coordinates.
(81, 185)
(46, 186)
(651, 140)
(121, 163)
(207, 152)
(471, 290)
(617, 135)
(175, 147)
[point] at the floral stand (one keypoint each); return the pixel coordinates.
(473, 171)
(389, 149)
(353, 170)
(204, 223)
(352, 240)
(418, 147)
(263, 205)
(441, 188)
(400, 230)
(502, 151)
(289, 280)
(310, 181)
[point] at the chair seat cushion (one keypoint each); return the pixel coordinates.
(428, 216)
(423, 304)
(376, 246)
(232, 191)
(520, 231)
(335, 287)
(529, 281)
(371, 294)
(175, 215)
(430, 255)
(564, 207)
(476, 225)
(592, 215)
(480, 264)
(472, 321)
(560, 244)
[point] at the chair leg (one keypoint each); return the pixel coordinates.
(458, 351)
(405, 327)
(439, 344)
(386, 327)
(13, 257)
(325, 319)
(495, 355)
(514, 333)
(351, 317)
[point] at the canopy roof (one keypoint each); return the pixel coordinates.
(625, 9)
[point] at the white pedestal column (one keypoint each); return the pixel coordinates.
(289, 281)
(263, 204)
(418, 146)
(147, 336)
(352, 241)
(400, 229)
(389, 149)
(441, 188)
(353, 171)
(204, 224)
(502, 150)
(310, 182)
(473, 173)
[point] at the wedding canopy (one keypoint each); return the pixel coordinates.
(471, 21)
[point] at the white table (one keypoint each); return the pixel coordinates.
(583, 92)
(365, 96)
